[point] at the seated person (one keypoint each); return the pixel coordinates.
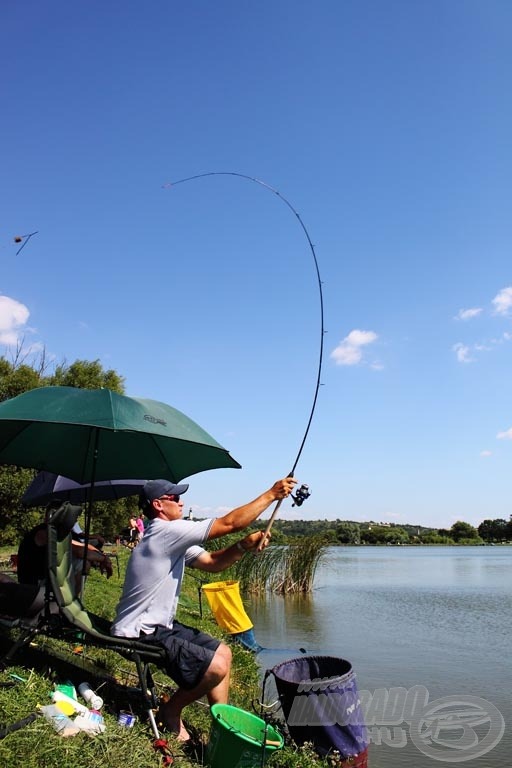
(32, 562)
(199, 663)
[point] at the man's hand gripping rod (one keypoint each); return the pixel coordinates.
(300, 497)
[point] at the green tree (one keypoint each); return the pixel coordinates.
(109, 518)
(348, 533)
(461, 530)
(85, 374)
(493, 530)
(384, 534)
(16, 380)
(15, 519)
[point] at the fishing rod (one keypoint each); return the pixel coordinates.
(303, 492)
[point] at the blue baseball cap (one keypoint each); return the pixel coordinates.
(154, 489)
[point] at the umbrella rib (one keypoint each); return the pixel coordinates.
(174, 479)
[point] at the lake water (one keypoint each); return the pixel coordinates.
(436, 617)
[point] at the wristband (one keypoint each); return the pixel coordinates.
(240, 548)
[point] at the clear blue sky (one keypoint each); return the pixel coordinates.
(387, 125)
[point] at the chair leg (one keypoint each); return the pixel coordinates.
(150, 686)
(154, 726)
(147, 686)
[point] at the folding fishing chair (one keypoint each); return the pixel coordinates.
(65, 617)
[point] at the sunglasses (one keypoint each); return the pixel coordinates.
(170, 498)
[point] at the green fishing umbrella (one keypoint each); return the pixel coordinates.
(96, 434)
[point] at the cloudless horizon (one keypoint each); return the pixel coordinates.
(385, 125)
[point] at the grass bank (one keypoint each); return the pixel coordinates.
(29, 683)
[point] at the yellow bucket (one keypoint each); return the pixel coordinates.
(227, 607)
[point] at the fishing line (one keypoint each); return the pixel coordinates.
(303, 492)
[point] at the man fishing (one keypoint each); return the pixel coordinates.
(197, 662)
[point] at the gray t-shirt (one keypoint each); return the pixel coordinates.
(154, 575)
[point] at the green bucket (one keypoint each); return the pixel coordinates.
(239, 739)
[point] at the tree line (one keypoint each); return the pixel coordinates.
(496, 531)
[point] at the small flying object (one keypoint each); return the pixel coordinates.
(24, 240)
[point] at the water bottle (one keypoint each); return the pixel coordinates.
(92, 723)
(60, 722)
(90, 696)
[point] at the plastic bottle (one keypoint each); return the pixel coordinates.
(90, 696)
(59, 696)
(92, 722)
(62, 724)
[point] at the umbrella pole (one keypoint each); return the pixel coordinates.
(88, 511)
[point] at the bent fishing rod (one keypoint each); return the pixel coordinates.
(303, 492)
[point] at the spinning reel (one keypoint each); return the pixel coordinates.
(301, 494)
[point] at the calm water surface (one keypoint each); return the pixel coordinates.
(439, 617)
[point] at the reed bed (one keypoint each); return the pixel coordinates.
(283, 570)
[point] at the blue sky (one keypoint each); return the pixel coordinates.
(385, 124)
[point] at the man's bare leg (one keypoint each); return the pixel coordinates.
(220, 694)
(214, 682)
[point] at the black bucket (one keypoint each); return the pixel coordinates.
(321, 705)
